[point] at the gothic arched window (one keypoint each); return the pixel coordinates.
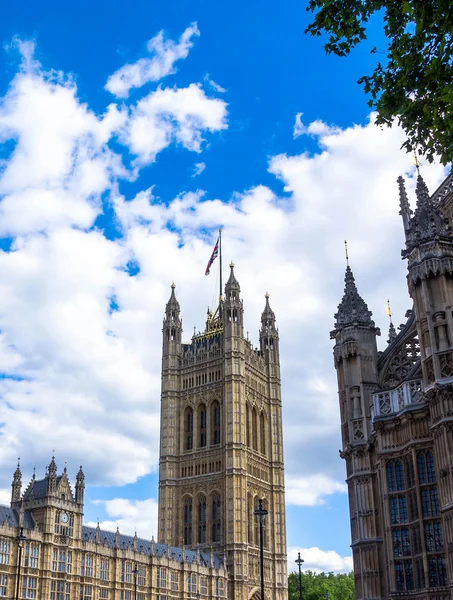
(202, 426)
(250, 517)
(426, 468)
(254, 429)
(263, 433)
(188, 428)
(256, 522)
(215, 423)
(216, 518)
(202, 519)
(188, 521)
(395, 476)
(247, 424)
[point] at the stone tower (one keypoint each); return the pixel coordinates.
(397, 417)
(221, 445)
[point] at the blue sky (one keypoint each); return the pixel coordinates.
(110, 193)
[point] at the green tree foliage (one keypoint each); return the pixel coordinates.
(414, 83)
(322, 586)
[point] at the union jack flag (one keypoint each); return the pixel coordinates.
(214, 255)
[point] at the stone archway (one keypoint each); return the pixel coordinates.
(255, 594)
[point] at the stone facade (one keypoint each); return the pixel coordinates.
(64, 560)
(221, 444)
(396, 412)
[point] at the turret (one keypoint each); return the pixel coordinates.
(16, 486)
(80, 486)
(172, 327)
(429, 251)
(233, 311)
(268, 332)
(355, 355)
(52, 477)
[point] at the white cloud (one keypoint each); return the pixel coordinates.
(198, 169)
(215, 86)
(315, 128)
(318, 560)
(173, 114)
(312, 490)
(82, 375)
(130, 516)
(164, 54)
(5, 496)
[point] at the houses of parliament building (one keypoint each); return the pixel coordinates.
(396, 411)
(221, 451)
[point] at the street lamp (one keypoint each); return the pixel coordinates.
(261, 513)
(299, 561)
(135, 572)
(20, 544)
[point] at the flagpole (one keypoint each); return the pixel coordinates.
(220, 264)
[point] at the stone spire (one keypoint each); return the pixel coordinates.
(232, 285)
(268, 331)
(392, 333)
(233, 309)
(268, 318)
(52, 477)
(172, 309)
(392, 330)
(405, 209)
(427, 222)
(80, 486)
(352, 310)
(16, 484)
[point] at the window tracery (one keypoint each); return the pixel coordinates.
(202, 520)
(188, 521)
(402, 362)
(216, 518)
(188, 428)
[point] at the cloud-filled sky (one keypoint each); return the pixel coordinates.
(126, 140)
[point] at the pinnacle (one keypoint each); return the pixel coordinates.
(421, 191)
(392, 333)
(352, 309)
(232, 283)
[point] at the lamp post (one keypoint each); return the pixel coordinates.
(261, 513)
(135, 572)
(20, 544)
(299, 561)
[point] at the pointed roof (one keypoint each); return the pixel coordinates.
(405, 209)
(172, 304)
(427, 222)
(352, 309)
(80, 477)
(268, 315)
(52, 471)
(232, 283)
(17, 477)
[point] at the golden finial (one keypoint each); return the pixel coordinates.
(267, 295)
(231, 265)
(388, 310)
(220, 230)
(346, 252)
(173, 285)
(416, 162)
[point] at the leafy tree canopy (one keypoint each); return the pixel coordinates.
(415, 83)
(322, 586)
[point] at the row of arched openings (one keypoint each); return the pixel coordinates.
(206, 527)
(199, 429)
(256, 429)
(254, 524)
(412, 489)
